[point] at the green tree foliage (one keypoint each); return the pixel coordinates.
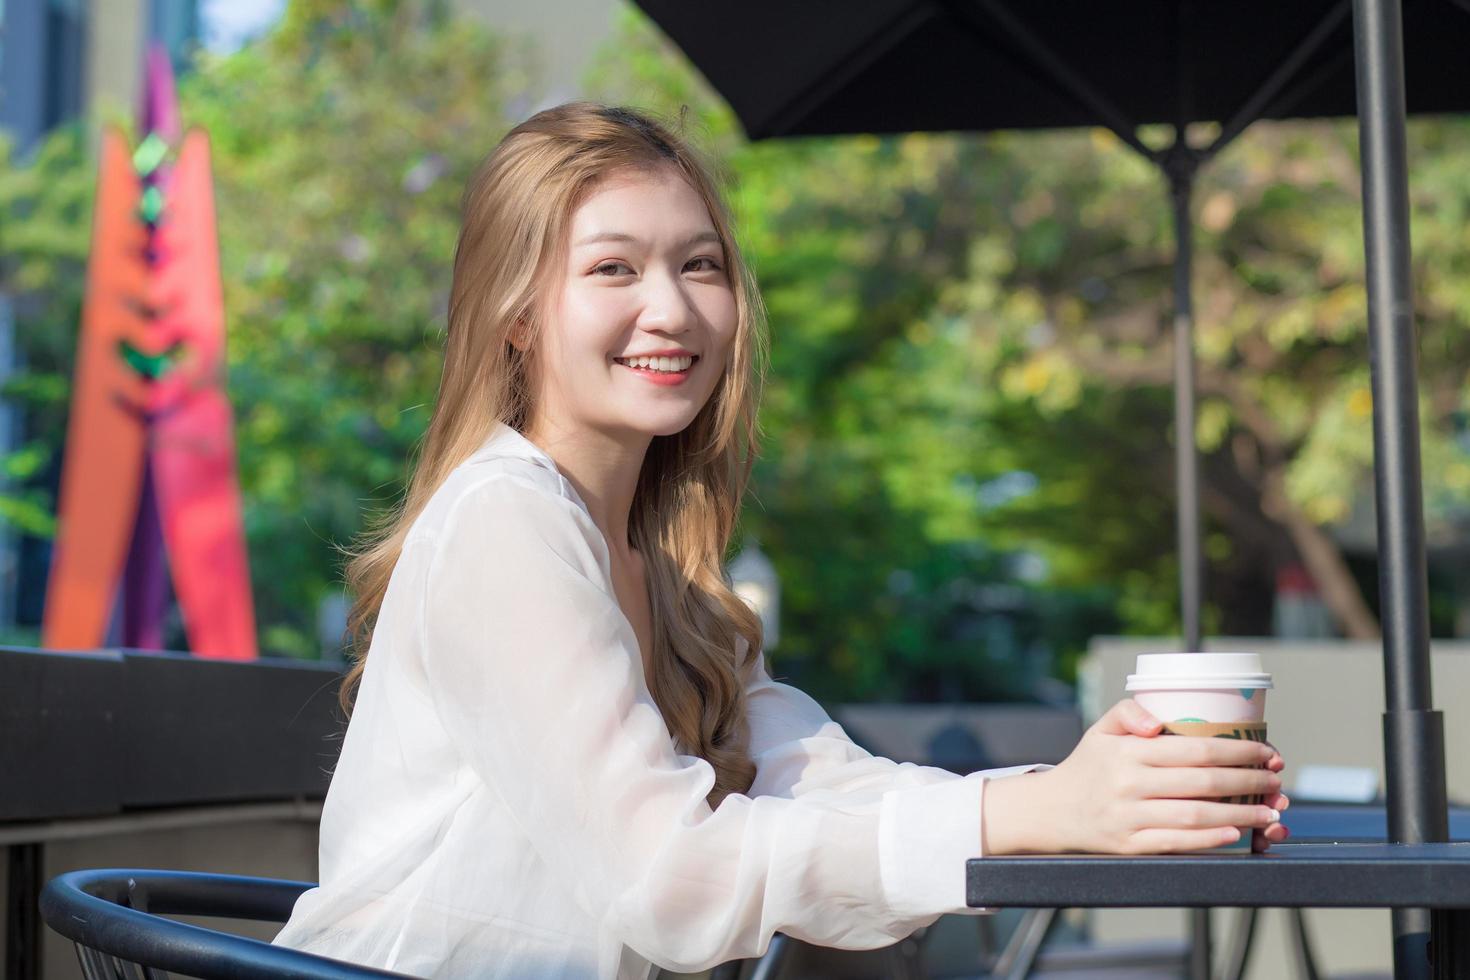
(45, 211)
(342, 143)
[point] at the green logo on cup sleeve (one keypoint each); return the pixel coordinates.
(1251, 731)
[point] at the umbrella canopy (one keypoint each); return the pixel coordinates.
(826, 67)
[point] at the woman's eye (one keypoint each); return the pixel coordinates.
(613, 269)
(710, 265)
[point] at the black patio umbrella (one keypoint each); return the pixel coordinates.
(827, 67)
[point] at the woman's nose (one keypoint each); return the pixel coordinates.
(667, 306)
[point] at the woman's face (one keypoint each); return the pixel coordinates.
(639, 325)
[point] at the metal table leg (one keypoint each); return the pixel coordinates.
(1449, 943)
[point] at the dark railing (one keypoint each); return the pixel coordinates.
(91, 734)
(101, 742)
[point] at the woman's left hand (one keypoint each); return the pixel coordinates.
(1277, 832)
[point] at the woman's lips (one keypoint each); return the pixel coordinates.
(666, 378)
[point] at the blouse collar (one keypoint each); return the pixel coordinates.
(505, 441)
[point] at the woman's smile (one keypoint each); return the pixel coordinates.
(670, 367)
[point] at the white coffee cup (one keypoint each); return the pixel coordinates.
(1212, 695)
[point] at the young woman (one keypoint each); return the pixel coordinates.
(566, 757)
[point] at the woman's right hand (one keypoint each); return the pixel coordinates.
(1123, 790)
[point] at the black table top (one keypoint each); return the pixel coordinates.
(1366, 875)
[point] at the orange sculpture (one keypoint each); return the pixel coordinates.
(150, 455)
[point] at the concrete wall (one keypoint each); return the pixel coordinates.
(1327, 705)
(115, 44)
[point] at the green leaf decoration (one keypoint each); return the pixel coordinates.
(149, 154)
(151, 205)
(150, 366)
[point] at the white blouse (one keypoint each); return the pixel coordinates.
(509, 802)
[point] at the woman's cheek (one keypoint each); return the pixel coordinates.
(725, 334)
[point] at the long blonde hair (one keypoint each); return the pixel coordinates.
(517, 211)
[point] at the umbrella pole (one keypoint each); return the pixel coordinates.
(1413, 732)
(1180, 165)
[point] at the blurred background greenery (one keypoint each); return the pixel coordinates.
(967, 460)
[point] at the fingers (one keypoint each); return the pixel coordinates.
(1263, 838)
(1187, 783)
(1202, 815)
(1127, 718)
(1140, 721)
(1171, 840)
(1156, 840)
(1278, 801)
(1276, 833)
(1186, 751)
(1275, 763)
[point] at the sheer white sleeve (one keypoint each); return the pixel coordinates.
(536, 675)
(802, 753)
(799, 750)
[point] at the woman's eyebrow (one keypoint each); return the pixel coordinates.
(708, 235)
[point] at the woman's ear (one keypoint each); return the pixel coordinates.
(520, 333)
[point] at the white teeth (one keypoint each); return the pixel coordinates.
(667, 364)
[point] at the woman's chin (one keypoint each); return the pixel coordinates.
(629, 431)
(665, 422)
(650, 418)
(673, 428)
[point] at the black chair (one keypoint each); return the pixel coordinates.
(116, 919)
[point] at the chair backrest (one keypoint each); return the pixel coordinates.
(116, 919)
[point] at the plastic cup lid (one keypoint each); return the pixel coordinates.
(1196, 671)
